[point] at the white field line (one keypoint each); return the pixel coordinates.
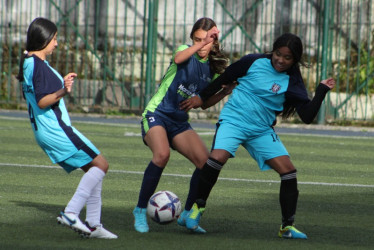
(189, 176)
(209, 131)
(132, 134)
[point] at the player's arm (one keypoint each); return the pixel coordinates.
(226, 90)
(199, 42)
(227, 78)
(51, 99)
(308, 110)
(197, 102)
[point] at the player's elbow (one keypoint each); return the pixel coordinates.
(307, 120)
(204, 107)
(42, 105)
(178, 60)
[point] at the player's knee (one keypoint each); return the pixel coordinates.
(101, 163)
(199, 163)
(220, 155)
(161, 158)
(105, 166)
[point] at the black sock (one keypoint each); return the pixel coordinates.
(288, 196)
(208, 177)
(151, 178)
(193, 189)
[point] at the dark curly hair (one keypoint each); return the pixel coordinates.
(294, 44)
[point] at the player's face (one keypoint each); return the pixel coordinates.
(198, 37)
(51, 45)
(282, 59)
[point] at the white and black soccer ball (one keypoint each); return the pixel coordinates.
(164, 207)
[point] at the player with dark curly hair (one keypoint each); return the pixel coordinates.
(269, 84)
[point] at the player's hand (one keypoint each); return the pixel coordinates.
(211, 35)
(227, 89)
(68, 81)
(193, 102)
(330, 82)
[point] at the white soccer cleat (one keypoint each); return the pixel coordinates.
(73, 221)
(101, 233)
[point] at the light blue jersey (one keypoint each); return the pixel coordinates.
(257, 98)
(51, 126)
(249, 115)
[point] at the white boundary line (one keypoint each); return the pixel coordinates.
(210, 131)
(189, 176)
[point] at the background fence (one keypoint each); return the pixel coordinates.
(121, 48)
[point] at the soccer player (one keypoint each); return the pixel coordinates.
(165, 125)
(44, 89)
(268, 85)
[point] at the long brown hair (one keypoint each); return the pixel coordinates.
(217, 60)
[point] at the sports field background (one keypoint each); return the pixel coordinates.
(335, 207)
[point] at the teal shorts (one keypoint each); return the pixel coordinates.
(261, 146)
(80, 159)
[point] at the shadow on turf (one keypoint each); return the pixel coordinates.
(111, 218)
(122, 220)
(258, 222)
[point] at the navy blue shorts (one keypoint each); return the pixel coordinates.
(172, 127)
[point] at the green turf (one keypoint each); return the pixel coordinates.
(241, 214)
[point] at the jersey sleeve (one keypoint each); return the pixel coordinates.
(308, 110)
(44, 80)
(298, 97)
(296, 93)
(231, 74)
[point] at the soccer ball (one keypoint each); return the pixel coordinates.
(164, 207)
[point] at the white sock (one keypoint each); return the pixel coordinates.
(93, 213)
(88, 182)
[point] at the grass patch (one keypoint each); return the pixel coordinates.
(243, 210)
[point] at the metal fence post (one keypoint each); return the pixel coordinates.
(325, 39)
(152, 24)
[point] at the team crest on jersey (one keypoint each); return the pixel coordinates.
(275, 88)
(205, 78)
(192, 88)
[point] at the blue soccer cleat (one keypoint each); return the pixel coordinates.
(182, 218)
(193, 218)
(290, 232)
(182, 222)
(140, 215)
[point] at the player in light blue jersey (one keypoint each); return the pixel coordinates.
(268, 85)
(165, 125)
(44, 88)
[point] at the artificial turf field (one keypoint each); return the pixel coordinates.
(335, 209)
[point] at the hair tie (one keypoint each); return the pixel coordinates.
(25, 52)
